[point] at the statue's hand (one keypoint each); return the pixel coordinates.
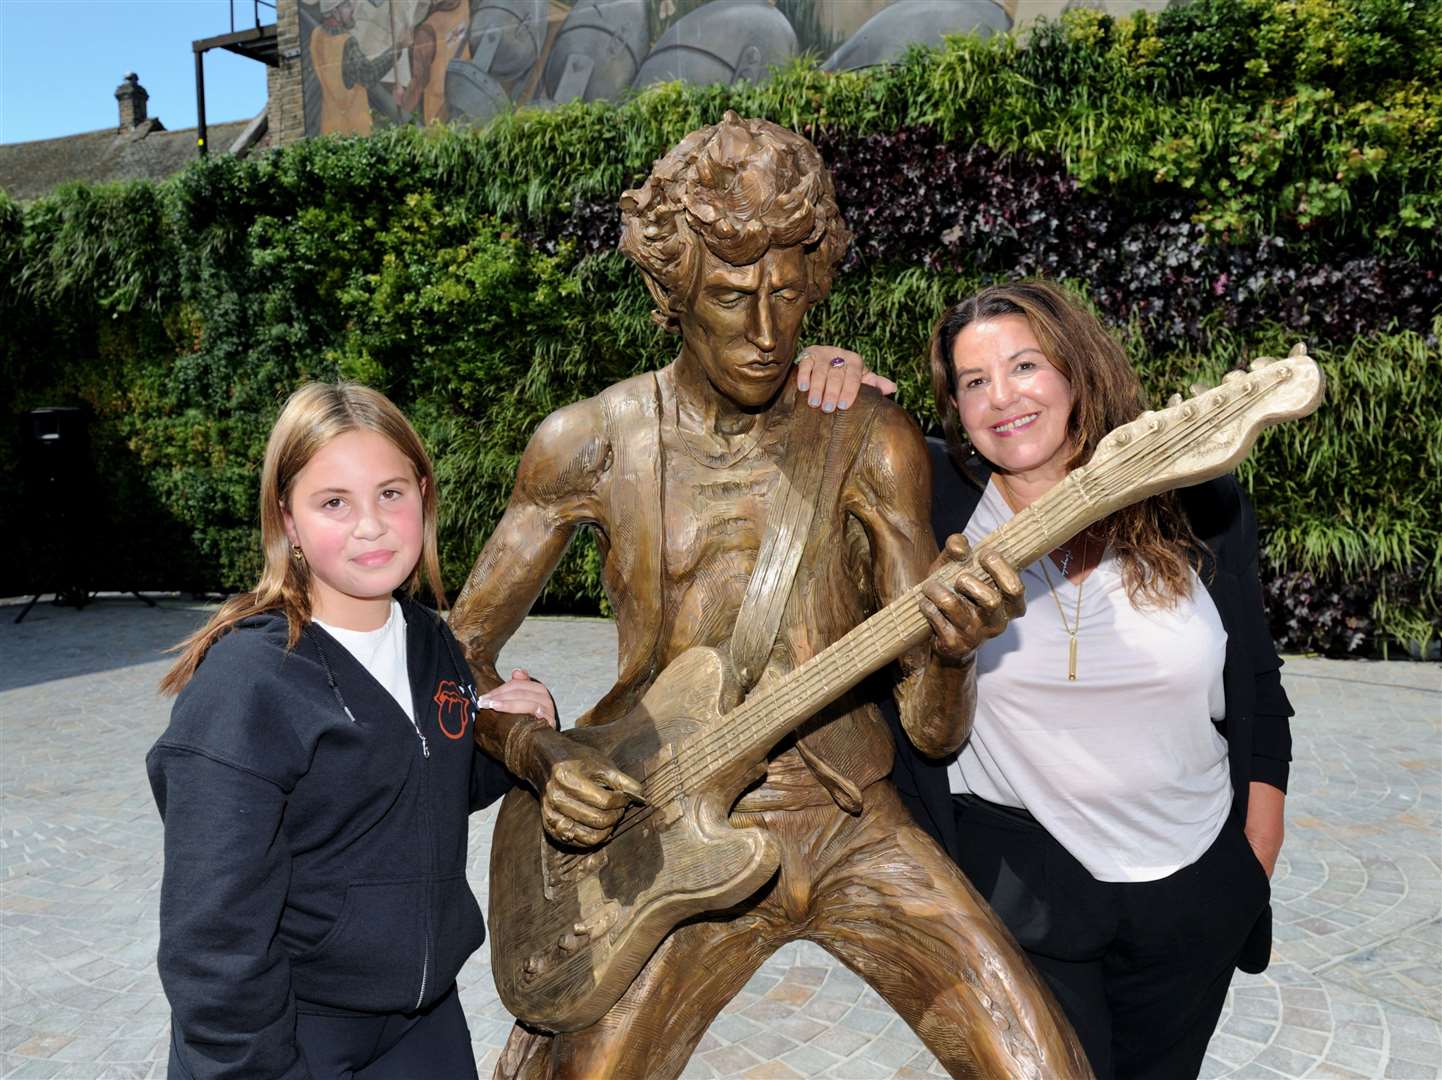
(582, 793)
(972, 611)
(830, 384)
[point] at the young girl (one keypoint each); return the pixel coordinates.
(317, 775)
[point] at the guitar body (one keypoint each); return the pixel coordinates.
(571, 928)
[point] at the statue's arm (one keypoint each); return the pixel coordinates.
(582, 794)
(555, 493)
(890, 493)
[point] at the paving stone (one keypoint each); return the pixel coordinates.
(772, 1070)
(697, 1069)
(888, 1052)
(770, 1045)
(729, 1060)
(1355, 988)
(734, 1028)
(1329, 1070)
(861, 1069)
(1212, 1068)
(1403, 1069)
(810, 1060)
(1306, 1042)
(1287, 1062)
(802, 1029)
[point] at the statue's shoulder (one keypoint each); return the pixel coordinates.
(887, 410)
(638, 396)
(892, 449)
(575, 445)
(889, 426)
(633, 397)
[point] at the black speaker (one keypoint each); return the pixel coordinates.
(60, 490)
(59, 442)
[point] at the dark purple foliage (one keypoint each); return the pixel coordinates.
(1308, 615)
(1333, 615)
(911, 199)
(593, 225)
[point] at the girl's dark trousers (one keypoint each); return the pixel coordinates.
(434, 1044)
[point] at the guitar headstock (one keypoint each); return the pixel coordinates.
(1210, 433)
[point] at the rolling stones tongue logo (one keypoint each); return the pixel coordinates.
(454, 706)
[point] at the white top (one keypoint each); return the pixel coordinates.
(382, 652)
(1123, 766)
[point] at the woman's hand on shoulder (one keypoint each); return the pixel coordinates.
(831, 377)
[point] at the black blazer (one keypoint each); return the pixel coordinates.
(1259, 739)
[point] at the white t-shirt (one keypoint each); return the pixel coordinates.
(1123, 766)
(382, 652)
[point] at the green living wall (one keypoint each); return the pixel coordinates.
(1221, 180)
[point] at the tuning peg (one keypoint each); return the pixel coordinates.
(1299, 349)
(1174, 401)
(1233, 376)
(1259, 363)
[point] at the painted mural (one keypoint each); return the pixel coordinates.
(371, 63)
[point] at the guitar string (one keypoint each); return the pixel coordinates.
(1124, 471)
(719, 743)
(1127, 462)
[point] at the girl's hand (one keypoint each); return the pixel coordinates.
(522, 696)
(582, 792)
(832, 385)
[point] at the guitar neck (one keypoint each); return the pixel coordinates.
(1185, 443)
(771, 713)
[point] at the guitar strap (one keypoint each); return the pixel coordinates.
(793, 500)
(810, 480)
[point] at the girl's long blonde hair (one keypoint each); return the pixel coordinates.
(311, 417)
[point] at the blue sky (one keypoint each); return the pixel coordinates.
(61, 60)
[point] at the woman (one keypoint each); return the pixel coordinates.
(1119, 803)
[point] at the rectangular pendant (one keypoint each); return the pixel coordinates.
(1071, 659)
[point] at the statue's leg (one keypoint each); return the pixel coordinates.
(892, 906)
(649, 1034)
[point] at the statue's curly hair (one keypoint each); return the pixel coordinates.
(741, 187)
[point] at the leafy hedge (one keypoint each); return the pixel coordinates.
(1221, 179)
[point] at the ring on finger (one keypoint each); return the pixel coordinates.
(838, 361)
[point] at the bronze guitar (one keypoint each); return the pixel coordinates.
(572, 928)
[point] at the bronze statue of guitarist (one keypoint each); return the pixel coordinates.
(730, 518)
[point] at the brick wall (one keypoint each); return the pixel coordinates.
(286, 109)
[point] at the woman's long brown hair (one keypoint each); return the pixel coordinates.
(312, 416)
(1152, 538)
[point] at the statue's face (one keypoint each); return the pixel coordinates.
(742, 323)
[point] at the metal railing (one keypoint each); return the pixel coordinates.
(256, 5)
(258, 43)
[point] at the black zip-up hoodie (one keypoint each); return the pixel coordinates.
(315, 840)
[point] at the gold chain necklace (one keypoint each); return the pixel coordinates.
(1071, 630)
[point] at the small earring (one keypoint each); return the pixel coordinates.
(297, 555)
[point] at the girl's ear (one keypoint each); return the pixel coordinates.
(423, 486)
(290, 533)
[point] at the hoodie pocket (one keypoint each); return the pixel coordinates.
(373, 957)
(458, 931)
